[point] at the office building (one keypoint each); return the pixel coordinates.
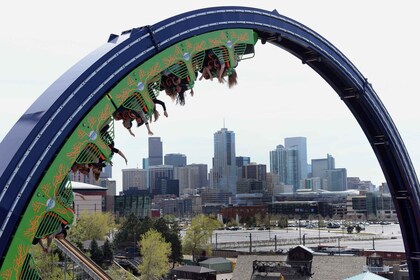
(106, 172)
(158, 174)
(255, 171)
(188, 177)
(241, 161)
(319, 166)
(299, 144)
(137, 202)
(134, 178)
(284, 162)
(155, 151)
(111, 186)
(337, 179)
(176, 160)
(224, 161)
(203, 180)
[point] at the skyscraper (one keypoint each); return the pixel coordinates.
(158, 174)
(134, 178)
(241, 161)
(176, 160)
(224, 161)
(155, 151)
(299, 144)
(284, 162)
(337, 179)
(202, 174)
(319, 166)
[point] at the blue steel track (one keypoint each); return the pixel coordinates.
(30, 146)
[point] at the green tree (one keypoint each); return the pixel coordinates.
(282, 221)
(155, 252)
(129, 232)
(197, 237)
(171, 233)
(46, 264)
(145, 225)
(108, 252)
(90, 226)
(96, 253)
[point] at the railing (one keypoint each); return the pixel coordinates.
(287, 241)
(77, 256)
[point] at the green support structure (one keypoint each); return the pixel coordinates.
(51, 204)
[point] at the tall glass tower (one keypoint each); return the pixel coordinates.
(299, 144)
(284, 162)
(224, 161)
(155, 151)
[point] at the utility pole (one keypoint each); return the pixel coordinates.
(300, 234)
(339, 248)
(250, 242)
(275, 243)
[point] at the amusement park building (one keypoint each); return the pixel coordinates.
(88, 197)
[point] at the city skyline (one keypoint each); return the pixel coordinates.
(267, 104)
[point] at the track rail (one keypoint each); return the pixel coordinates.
(89, 266)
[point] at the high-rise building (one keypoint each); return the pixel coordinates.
(157, 174)
(111, 186)
(155, 151)
(134, 178)
(188, 178)
(299, 144)
(224, 161)
(319, 166)
(284, 162)
(255, 171)
(106, 172)
(202, 174)
(176, 160)
(337, 179)
(241, 161)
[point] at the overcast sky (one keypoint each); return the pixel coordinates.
(277, 96)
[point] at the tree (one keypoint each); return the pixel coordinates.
(155, 252)
(96, 253)
(90, 226)
(170, 233)
(46, 264)
(197, 237)
(282, 221)
(108, 252)
(129, 231)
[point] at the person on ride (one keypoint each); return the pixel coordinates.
(127, 116)
(108, 139)
(215, 65)
(175, 87)
(61, 233)
(155, 112)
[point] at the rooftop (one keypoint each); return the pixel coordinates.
(83, 186)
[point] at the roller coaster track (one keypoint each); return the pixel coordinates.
(77, 256)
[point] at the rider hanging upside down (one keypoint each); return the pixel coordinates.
(215, 65)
